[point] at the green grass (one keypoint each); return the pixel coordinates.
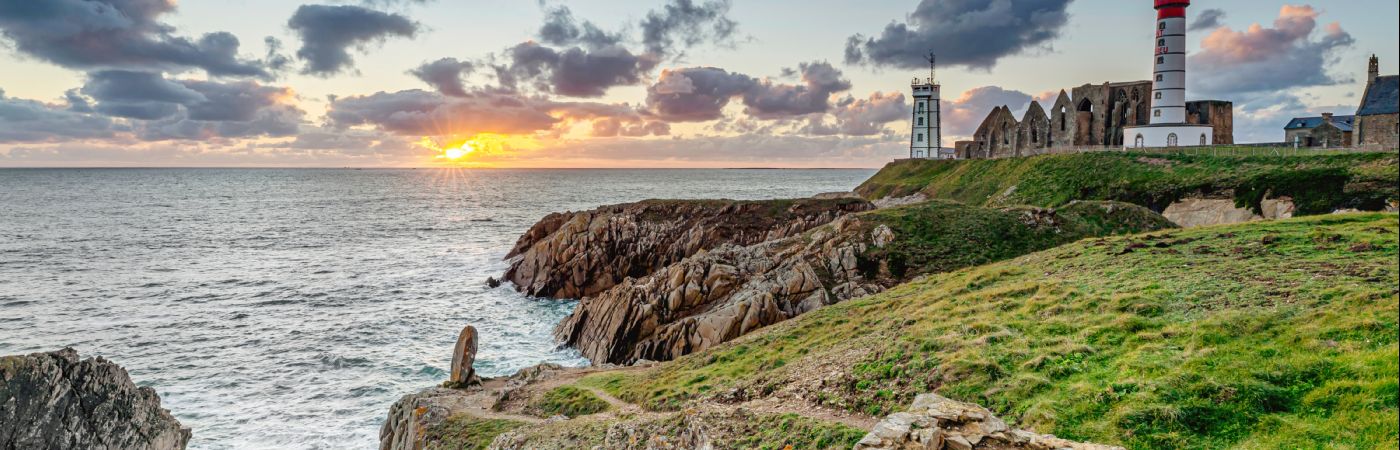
(777, 432)
(1319, 183)
(570, 401)
(465, 432)
(1263, 335)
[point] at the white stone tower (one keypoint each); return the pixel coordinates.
(926, 139)
(1168, 122)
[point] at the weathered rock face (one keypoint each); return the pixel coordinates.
(1199, 212)
(463, 356)
(412, 416)
(719, 295)
(56, 401)
(936, 423)
(574, 255)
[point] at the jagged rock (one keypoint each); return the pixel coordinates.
(492, 282)
(574, 255)
(56, 401)
(412, 416)
(463, 356)
(934, 422)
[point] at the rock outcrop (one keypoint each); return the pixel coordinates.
(574, 255)
(414, 415)
(1199, 212)
(463, 356)
(718, 295)
(937, 423)
(57, 401)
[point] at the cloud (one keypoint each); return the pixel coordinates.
(423, 113)
(31, 121)
(165, 109)
(1208, 19)
(560, 28)
(118, 34)
(328, 32)
(1261, 59)
(577, 72)
(700, 94)
(862, 117)
(972, 33)
(769, 100)
(445, 75)
(963, 115)
(684, 24)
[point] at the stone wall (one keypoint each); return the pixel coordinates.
(1220, 115)
(1378, 130)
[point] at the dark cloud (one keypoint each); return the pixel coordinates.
(1261, 59)
(695, 94)
(31, 121)
(118, 34)
(972, 33)
(445, 75)
(1208, 19)
(577, 72)
(862, 117)
(138, 95)
(329, 31)
(963, 115)
(768, 100)
(191, 109)
(560, 28)
(685, 23)
(423, 113)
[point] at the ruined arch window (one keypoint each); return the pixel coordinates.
(1035, 137)
(1204, 140)
(1137, 142)
(1171, 140)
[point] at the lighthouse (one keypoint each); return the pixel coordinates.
(926, 139)
(1168, 126)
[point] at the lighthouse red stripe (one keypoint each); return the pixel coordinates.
(1171, 13)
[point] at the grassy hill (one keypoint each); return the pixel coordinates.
(1318, 183)
(1262, 335)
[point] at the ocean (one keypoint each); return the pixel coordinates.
(288, 308)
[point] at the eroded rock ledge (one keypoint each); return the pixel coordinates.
(56, 401)
(718, 295)
(574, 255)
(937, 423)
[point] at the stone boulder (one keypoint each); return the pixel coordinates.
(574, 255)
(937, 423)
(57, 401)
(463, 356)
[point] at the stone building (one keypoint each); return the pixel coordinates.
(1327, 131)
(1092, 115)
(1378, 118)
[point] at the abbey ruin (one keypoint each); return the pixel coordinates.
(1089, 116)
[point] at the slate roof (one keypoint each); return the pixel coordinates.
(1382, 98)
(1343, 123)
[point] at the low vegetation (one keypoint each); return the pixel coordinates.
(1263, 335)
(463, 431)
(570, 401)
(1318, 183)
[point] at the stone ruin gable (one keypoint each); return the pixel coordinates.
(1033, 135)
(1062, 121)
(1219, 114)
(998, 136)
(1102, 111)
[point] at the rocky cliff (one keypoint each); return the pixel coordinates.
(718, 295)
(56, 401)
(573, 255)
(937, 423)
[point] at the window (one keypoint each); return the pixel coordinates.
(1137, 142)
(1204, 140)
(1171, 140)
(919, 138)
(1157, 96)
(1161, 42)
(1159, 77)
(1156, 113)
(1161, 60)
(921, 121)
(1161, 25)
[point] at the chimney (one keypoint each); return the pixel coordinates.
(1373, 70)
(1327, 117)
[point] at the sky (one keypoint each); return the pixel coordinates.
(617, 83)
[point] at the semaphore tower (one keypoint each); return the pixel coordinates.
(926, 139)
(1168, 127)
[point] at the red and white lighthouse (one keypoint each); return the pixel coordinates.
(1168, 122)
